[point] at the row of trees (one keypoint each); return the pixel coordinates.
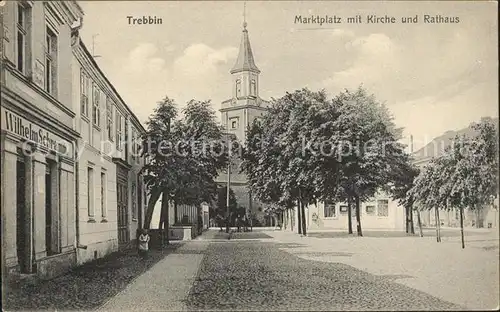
(465, 176)
(179, 169)
(308, 148)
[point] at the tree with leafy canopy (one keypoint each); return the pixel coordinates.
(369, 149)
(279, 171)
(184, 156)
(402, 178)
(474, 181)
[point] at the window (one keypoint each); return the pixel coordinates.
(50, 61)
(234, 123)
(84, 91)
(330, 211)
(118, 131)
(109, 118)
(343, 209)
(253, 89)
(22, 37)
(383, 208)
(370, 210)
(134, 202)
(104, 212)
(238, 88)
(132, 144)
(96, 111)
(90, 193)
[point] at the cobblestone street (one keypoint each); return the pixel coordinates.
(257, 275)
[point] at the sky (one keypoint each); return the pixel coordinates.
(432, 77)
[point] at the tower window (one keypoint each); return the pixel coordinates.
(238, 88)
(253, 88)
(234, 123)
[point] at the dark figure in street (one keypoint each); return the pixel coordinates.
(143, 243)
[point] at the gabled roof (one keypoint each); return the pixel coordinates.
(245, 59)
(438, 145)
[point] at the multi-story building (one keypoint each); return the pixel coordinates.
(111, 197)
(237, 114)
(71, 188)
(486, 217)
(38, 138)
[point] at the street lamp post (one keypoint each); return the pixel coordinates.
(227, 194)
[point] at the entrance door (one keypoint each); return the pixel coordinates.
(122, 198)
(48, 210)
(21, 235)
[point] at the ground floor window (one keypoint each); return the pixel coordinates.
(370, 210)
(383, 208)
(330, 210)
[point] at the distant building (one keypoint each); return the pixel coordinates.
(487, 217)
(237, 114)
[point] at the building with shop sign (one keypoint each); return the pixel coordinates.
(38, 137)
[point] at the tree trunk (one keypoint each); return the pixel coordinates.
(299, 216)
(438, 225)
(175, 212)
(285, 219)
(407, 220)
(419, 221)
(358, 217)
(164, 219)
(303, 213)
(349, 214)
(462, 226)
(412, 224)
(153, 199)
(292, 216)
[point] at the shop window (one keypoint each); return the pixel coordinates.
(51, 208)
(22, 234)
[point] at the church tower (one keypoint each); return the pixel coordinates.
(237, 113)
(245, 104)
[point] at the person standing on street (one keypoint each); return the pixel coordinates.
(144, 244)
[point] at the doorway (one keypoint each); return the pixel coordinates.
(48, 209)
(21, 234)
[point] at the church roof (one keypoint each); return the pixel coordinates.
(245, 59)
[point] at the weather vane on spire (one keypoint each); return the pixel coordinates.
(244, 15)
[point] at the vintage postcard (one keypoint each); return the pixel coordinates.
(249, 155)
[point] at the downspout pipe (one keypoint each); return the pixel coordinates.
(77, 197)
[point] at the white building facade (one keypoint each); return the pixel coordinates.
(111, 197)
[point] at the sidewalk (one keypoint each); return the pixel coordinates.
(468, 277)
(165, 286)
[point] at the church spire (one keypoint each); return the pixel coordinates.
(245, 61)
